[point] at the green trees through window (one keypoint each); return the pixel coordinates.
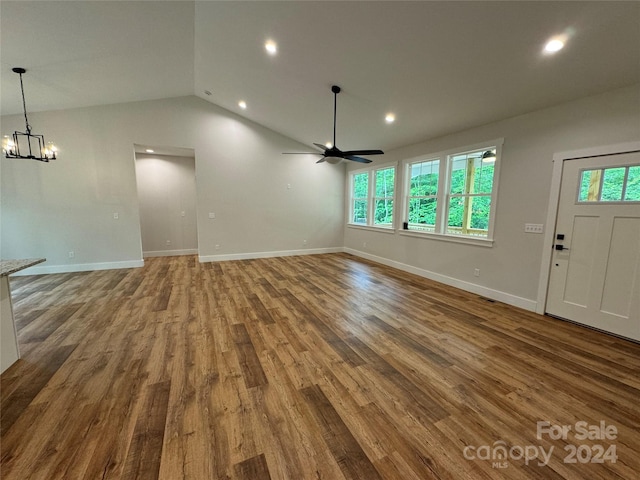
(383, 202)
(373, 189)
(447, 194)
(423, 193)
(615, 184)
(360, 197)
(468, 200)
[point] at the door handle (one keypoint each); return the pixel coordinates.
(561, 247)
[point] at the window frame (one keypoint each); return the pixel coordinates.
(353, 199)
(444, 194)
(371, 172)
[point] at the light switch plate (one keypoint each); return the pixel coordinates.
(533, 228)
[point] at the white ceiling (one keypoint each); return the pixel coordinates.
(440, 67)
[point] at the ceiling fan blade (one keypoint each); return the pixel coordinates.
(302, 153)
(323, 147)
(357, 159)
(321, 160)
(363, 152)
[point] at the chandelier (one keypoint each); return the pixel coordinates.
(25, 144)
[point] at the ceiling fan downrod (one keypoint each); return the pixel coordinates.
(336, 90)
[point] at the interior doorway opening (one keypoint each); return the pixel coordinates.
(166, 183)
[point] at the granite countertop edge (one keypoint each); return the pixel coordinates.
(7, 267)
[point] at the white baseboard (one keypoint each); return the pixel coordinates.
(170, 253)
(503, 297)
(281, 253)
(80, 267)
(500, 296)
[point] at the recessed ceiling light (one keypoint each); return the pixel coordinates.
(148, 150)
(554, 45)
(390, 118)
(271, 47)
(242, 104)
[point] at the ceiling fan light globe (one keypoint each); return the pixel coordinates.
(333, 160)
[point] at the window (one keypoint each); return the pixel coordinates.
(372, 197)
(423, 194)
(383, 200)
(471, 184)
(360, 198)
(453, 193)
(615, 184)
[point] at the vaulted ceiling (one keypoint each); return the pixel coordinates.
(440, 67)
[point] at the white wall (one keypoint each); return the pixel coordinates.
(168, 205)
(510, 269)
(51, 209)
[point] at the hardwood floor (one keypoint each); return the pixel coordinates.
(323, 366)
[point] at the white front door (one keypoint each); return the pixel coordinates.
(595, 270)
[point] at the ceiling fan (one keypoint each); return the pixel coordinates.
(334, 154)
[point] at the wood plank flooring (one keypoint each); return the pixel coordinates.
(310, 367)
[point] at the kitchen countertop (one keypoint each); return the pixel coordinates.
(7, 267)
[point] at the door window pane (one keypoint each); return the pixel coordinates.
(632, 193)
(609, 185)
(589, 186)
(612, 183)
